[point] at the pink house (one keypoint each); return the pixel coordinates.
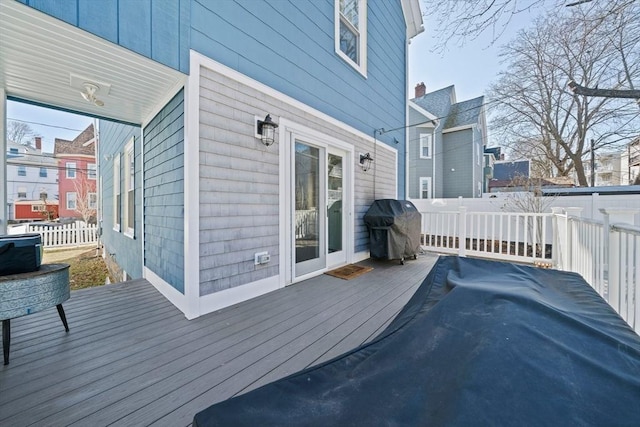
(77, 175)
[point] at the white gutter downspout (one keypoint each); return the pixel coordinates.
(433, 161)
(3, 163)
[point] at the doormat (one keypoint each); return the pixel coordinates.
(348, 272)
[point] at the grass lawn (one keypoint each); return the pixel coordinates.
(86, 266)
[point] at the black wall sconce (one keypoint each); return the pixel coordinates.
(267, 130)
(365, 161)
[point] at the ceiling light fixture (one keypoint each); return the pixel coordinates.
(89, 94)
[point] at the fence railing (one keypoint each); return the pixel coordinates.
(510, 236)
(606, 253)
(61, 235)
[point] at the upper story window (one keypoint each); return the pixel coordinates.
(351, 32)
(43, 172)
(425, 146)
(71, 170)
(22, 171)
(92, 171)
(13, 151)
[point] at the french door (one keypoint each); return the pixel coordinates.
(318, 212)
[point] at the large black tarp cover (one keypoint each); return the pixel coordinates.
(480, 343)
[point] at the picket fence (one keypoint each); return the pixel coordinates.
(60, 235)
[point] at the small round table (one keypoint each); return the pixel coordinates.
(28, 293)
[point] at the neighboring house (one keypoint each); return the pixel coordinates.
(446, 145)
(77, 175)
(194, 198)
(634, 161)
(506, 170)
(32, 176)
(34, 210)
(544, 184)
(610, 169)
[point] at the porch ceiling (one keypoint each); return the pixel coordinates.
(45, 60)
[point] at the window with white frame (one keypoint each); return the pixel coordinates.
(38, 208)
(129, 185)
(71, 201)
(71, 170)
(93, 201)
(22, 192)
(43, 172)
(116, 192)
(478, 154)
(351, 32)
(425, 187)
(22, 171)
(426, 140)
(92, 170)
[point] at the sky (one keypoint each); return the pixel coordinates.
(471, 67)
(48, 123)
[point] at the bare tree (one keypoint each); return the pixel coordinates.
(19, 132)
(86, 201)
(528, 198)
(460, 21)
(536, 112)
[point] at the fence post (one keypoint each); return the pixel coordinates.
(462, 231)
(612, 252)
(558, 247)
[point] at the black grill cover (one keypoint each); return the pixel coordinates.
(394, 229)
(480, 343)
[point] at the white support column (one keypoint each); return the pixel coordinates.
(4, 214)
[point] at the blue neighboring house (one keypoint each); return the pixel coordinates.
(446, 145)
(200, 194)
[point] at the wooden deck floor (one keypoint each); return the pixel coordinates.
(131, 358)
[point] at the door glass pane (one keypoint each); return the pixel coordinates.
(307, 182)
(334, 205)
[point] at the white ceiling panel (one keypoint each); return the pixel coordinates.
(41, 58)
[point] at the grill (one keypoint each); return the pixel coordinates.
(394, 229)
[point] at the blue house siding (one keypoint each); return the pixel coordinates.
(296, 40)
(164, 193)
(124, 250)
(157, 29)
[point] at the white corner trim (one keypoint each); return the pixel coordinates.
(169, 292)
(218, 300)
(192, 190)
(198, 59)
(458, 128)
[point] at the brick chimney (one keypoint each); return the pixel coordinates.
(38, 143)
(421, 89)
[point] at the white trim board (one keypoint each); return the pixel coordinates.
(218, 300)
(457, 128)
(169, 292)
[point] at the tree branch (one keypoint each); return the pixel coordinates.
(604, 93)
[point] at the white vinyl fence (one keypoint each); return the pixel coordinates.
(60, 235)
(605, 252)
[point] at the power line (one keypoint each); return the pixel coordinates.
(43, 124)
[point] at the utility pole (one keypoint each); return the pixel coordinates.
(593, 164)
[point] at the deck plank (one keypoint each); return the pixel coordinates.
(131, 358)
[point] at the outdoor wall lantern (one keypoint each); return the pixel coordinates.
(365, 161)
(267, 130)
